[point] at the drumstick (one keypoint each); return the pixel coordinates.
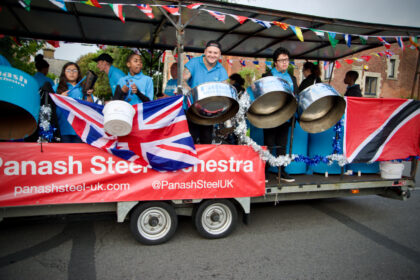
(78, 84)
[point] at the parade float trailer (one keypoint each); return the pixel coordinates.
(55, 178)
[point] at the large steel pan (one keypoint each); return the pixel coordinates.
(274, 102)
(212, 102)
(19, 104)
(320, 107)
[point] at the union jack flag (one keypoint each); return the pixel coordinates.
(146, 9)
(159, 138)
(172, 9)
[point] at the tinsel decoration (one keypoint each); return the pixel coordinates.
(241, 128)
(240, 131)
(46, 130)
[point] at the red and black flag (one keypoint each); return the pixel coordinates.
(381, 129)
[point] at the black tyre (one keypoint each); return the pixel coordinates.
(216, 218)
(153, 223)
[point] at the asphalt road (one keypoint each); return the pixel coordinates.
(354, 238)
(351, 238)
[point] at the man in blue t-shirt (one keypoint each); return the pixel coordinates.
(105, 65)
(276, 138)
(198, 70)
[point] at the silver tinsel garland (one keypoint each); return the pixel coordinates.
(241, 129)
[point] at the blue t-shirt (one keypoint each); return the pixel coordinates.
(42, 79)
(65, 126)
(4, 61)
(200, 74)
(171, 87)
(144, 85)
(114, 75)
(285, 76)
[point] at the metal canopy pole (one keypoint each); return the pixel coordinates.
(180, 37)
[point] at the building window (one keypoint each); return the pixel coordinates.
(392, 64)
(371, 84)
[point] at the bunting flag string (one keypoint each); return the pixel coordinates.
(220, 16)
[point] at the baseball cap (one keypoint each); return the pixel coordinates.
(105, 57)
(214, 43)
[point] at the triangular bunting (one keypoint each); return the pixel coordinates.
(93, 3)
(194, 6)
(117, 8)
(347, 37)
(218, 16)
(318, 32)
(26, 4)
(363, 39)
(172, 9)
(240, 19)
(60, 4)
(297, 31)
(283, 25)
(331, 38)
(266, 24)
(146, 9)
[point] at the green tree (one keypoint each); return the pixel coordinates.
(19, 56)
(250, 75)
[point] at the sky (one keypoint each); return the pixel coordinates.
(72, 51)
(392, 12)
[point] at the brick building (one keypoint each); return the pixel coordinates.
(378, 77)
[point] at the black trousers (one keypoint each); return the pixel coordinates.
(201, 134)
(276, 138)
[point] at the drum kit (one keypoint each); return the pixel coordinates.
(318, 107)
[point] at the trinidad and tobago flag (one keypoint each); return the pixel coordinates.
(380, 129)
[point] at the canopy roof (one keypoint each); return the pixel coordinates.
(87, 24)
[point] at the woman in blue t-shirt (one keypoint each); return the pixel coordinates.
(68, 86)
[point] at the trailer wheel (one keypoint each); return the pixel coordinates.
(153, 223)
(216, 218)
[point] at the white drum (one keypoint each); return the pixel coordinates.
(118, 117)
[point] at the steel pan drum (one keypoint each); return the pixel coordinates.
(213, 102)
(320, 107)
(274, 102)
(19, 104)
